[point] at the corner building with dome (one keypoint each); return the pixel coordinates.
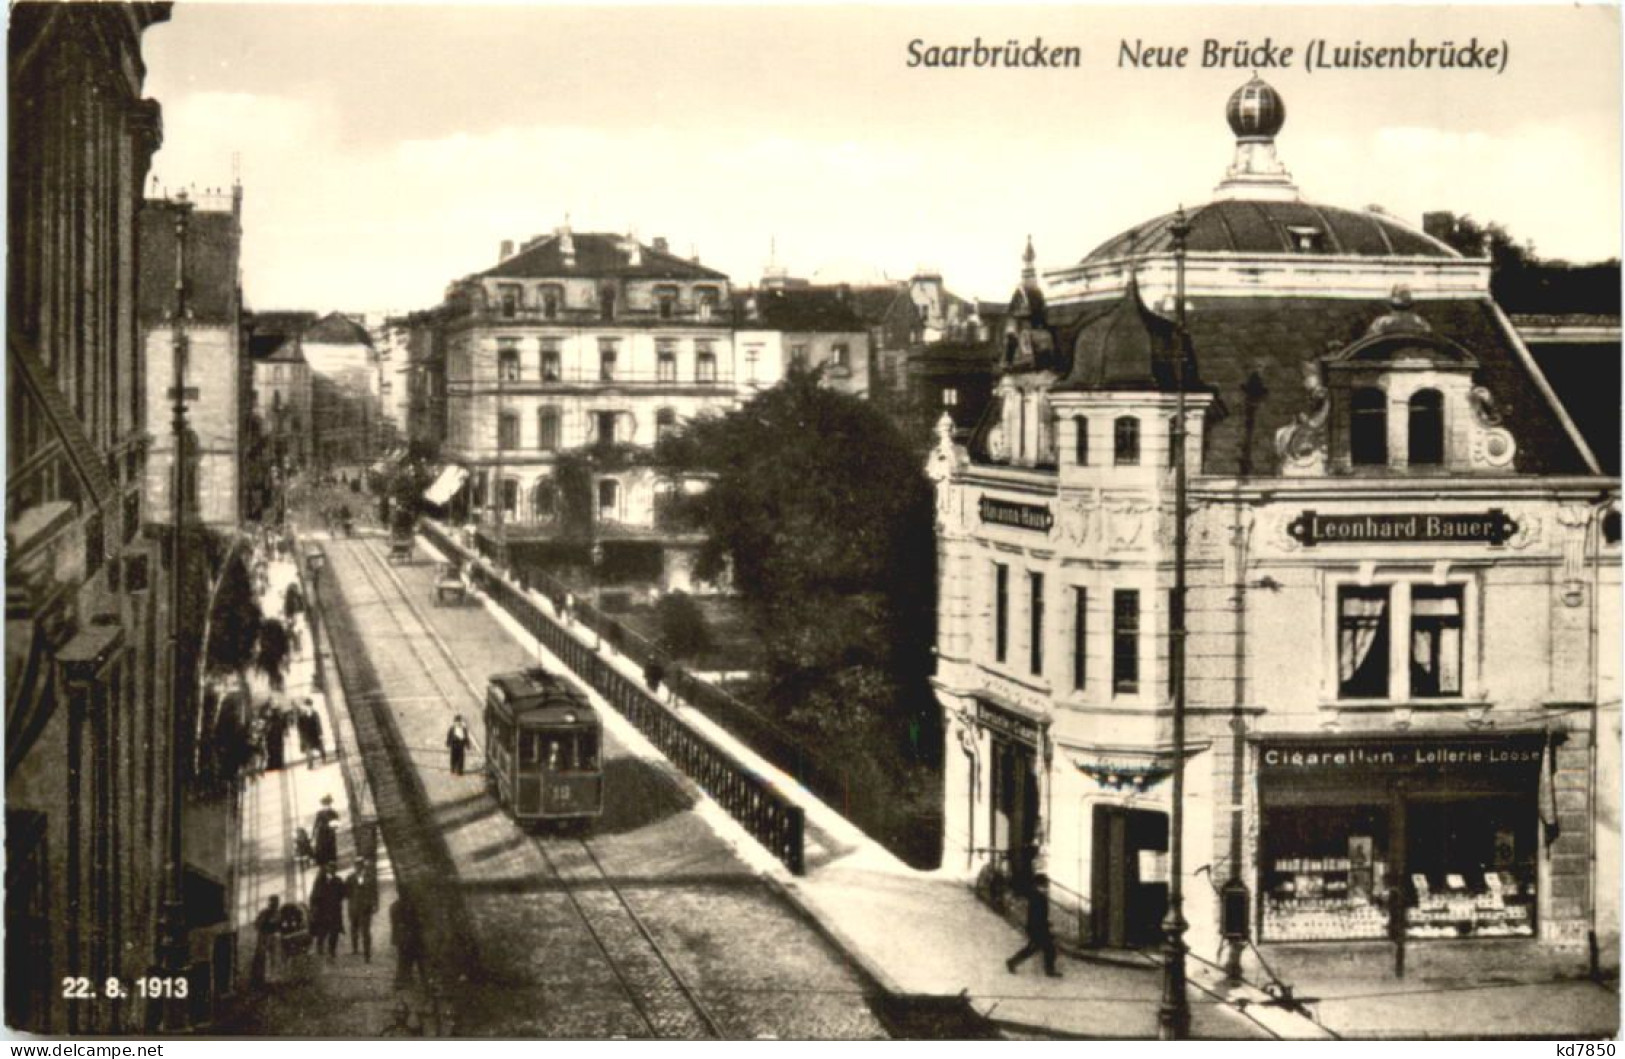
(1403, 594)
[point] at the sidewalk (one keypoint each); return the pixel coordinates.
(925, 935)
(346, 996)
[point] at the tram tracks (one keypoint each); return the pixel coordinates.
(665, 1001)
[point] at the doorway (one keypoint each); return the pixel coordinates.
(1014, 826)
(1128, 898)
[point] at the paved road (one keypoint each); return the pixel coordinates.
(648, 927)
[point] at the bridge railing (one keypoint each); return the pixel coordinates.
(770, 818)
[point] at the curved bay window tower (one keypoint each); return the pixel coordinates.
(1397, 543)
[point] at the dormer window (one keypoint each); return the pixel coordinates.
(666, 302)
(552, 302)
(1426, 428)
(1368, 428)
(705, 302)
(1306, 239)
(508, 296)
(606, 303)
(1126, 441)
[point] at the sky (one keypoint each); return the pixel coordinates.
(386, 150)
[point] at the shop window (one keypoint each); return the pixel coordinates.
(1126, 441)
(1001, 611)
(1362, 642)
(547, 429)
(1080, 440)
(666, 361)
(1080, 638)
(1035, 613)
(1436, 641)
(1125, 641)
(1426, 428)
(1368, 428)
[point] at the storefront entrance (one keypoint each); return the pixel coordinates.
(1448, 826)
(1129, 887)
(1013, 784)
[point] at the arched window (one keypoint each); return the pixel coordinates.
(1427, 428)
(609, 500)
(544, 501)
(1126, 441)
(1368, 428)
(1080, 443)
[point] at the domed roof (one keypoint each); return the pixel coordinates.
(1263, 226)
(1129, 348)
(1255, 111)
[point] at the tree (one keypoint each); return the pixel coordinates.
(822, 510)
(1523, 282)
(683, 629)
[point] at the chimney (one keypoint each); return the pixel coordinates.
(634, 250)
(567, 244)
(506, 251)
(661, 245)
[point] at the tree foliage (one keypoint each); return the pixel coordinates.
(683, 628)
(1522, 282)
(822, 510)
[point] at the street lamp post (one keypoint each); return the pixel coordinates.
(174, 943)
(1173, 1014)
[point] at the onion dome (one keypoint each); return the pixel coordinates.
(1129, 348)
(1255, 111)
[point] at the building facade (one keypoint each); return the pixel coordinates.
(346, 418)
(217, 371)
(88, 709)
(1401, 666)
(815, 328)
(581, 343)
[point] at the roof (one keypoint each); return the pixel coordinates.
(287, 351)
(536, 695)
(336, 329)
(213, 243)
(874, 304)
(1263, 226)
(1129, 348)
(826, 309)
(1232, 338)
(597, 254)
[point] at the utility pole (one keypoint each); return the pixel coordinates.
(174, 942)
(499, 487)
(1173, 1014)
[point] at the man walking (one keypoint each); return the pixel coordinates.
(457, 740)
(361, 894)
(1039, 936)
(406, 934)
(327, 910)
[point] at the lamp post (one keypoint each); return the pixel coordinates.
(1173, 1014)
(174, 943)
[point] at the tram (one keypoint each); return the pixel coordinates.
(543, 747)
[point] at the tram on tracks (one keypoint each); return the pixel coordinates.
(543, 748)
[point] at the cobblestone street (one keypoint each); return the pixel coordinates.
(648, 926)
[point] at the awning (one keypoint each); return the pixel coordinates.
(445, 487)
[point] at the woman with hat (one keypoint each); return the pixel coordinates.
(326, 832)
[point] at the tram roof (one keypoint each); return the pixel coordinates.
(535, 696)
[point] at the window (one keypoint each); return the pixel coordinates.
(552, 302)
(666, 302)
(510, 498)
(606, 303)
(508, 431)
(547, 429)
(1001, 611)
(705, 302)
(705, 364)
(1176, 618)
(665, 423)
(753, 355)
(1126, 641)
(608, 354)
(1368, 428)
(950, 397)
(276, 373)
(508, 360)
(508, 296)
(1435, 641)
(1035, 613)
(1126, 441)
(1080, 637)
(609, 500)
(666, 354)
(841, 356)
(606, 427)
(1426, 428)
(1080, 440)
(544, 501)
(798, 354)
(1173, 439)
(1362, 642)
(551, 358)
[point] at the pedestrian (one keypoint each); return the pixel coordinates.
(267, 966)
(312, 722)
(296, 645)
(326, 832)
(406, 934)
(256, 746)
(361, 895)
(1039, 936)
(327, 910)
(457, 740)
(276, 739)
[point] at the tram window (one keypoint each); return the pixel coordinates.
(530, 749)
(555, 754)
(584, 756)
